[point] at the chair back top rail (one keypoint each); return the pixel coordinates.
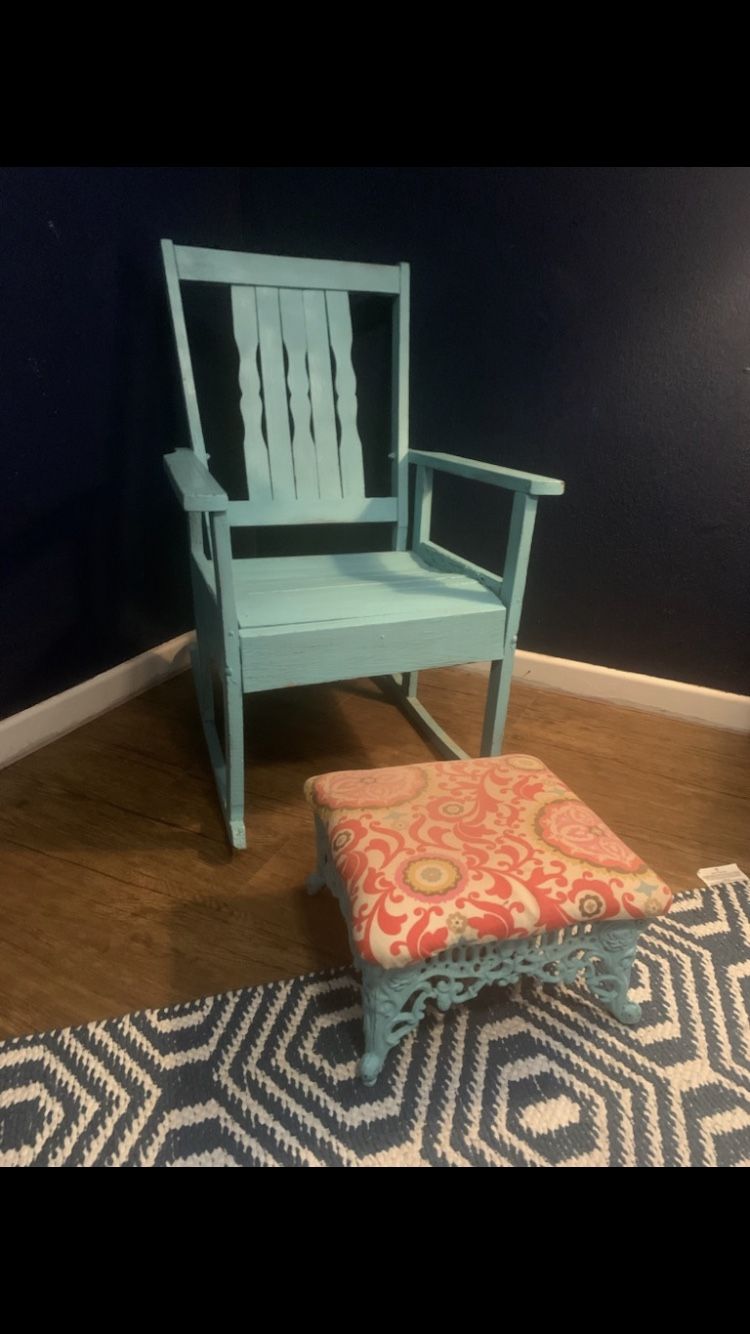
(197, 264)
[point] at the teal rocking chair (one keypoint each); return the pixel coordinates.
(266, 622)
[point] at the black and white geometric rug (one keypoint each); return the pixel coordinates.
(528, 1076)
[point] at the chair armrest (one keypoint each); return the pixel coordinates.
(508, 478)
(193, 484)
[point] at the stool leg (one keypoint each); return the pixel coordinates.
(389, 1013)
(611, 949)
(378, 1015)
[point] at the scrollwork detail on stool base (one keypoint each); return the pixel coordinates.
(394, 1000)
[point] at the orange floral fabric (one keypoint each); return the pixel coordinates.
(469, 850)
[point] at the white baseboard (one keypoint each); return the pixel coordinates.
(35, 727)
(52, 718)
(698, 704)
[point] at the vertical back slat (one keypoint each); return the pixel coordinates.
(274, 393)
(303, 446)
(245, 325)
(321, 395)
(350, 446)
(298, 391)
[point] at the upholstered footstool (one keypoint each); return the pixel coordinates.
(456, 874)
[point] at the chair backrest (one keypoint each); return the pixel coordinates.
(293, 330)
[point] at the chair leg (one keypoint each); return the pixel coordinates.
(202, 681)
(234, 746)
(496, 708)
(227, 762)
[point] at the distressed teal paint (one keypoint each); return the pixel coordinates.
(508, 478)
(394, 1000)
(300, 620)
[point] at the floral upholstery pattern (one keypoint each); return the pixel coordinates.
(432, 855)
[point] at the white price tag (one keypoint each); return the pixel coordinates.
(722, 875)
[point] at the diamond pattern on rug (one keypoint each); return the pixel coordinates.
(527, 1076)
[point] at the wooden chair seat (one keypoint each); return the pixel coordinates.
(302, 618)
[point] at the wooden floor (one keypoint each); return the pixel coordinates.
(118, 890)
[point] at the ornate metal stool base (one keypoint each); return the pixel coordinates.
(394, 999)
(454, 875)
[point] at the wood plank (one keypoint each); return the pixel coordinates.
(321, 395)
(116, 774)
(272, 571)
(245, 324)
(275, 402)
(193, 484)
(508, 478)
(164, 942)
(280, 573)
(118, 890)
(303, 446)
(696, 756)
(405, 599)
(316, 652)
(350, 445)
(198, 264)
(278, 513)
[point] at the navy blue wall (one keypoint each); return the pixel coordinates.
(593, 324)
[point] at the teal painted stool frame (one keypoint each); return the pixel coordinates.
(394, 999)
